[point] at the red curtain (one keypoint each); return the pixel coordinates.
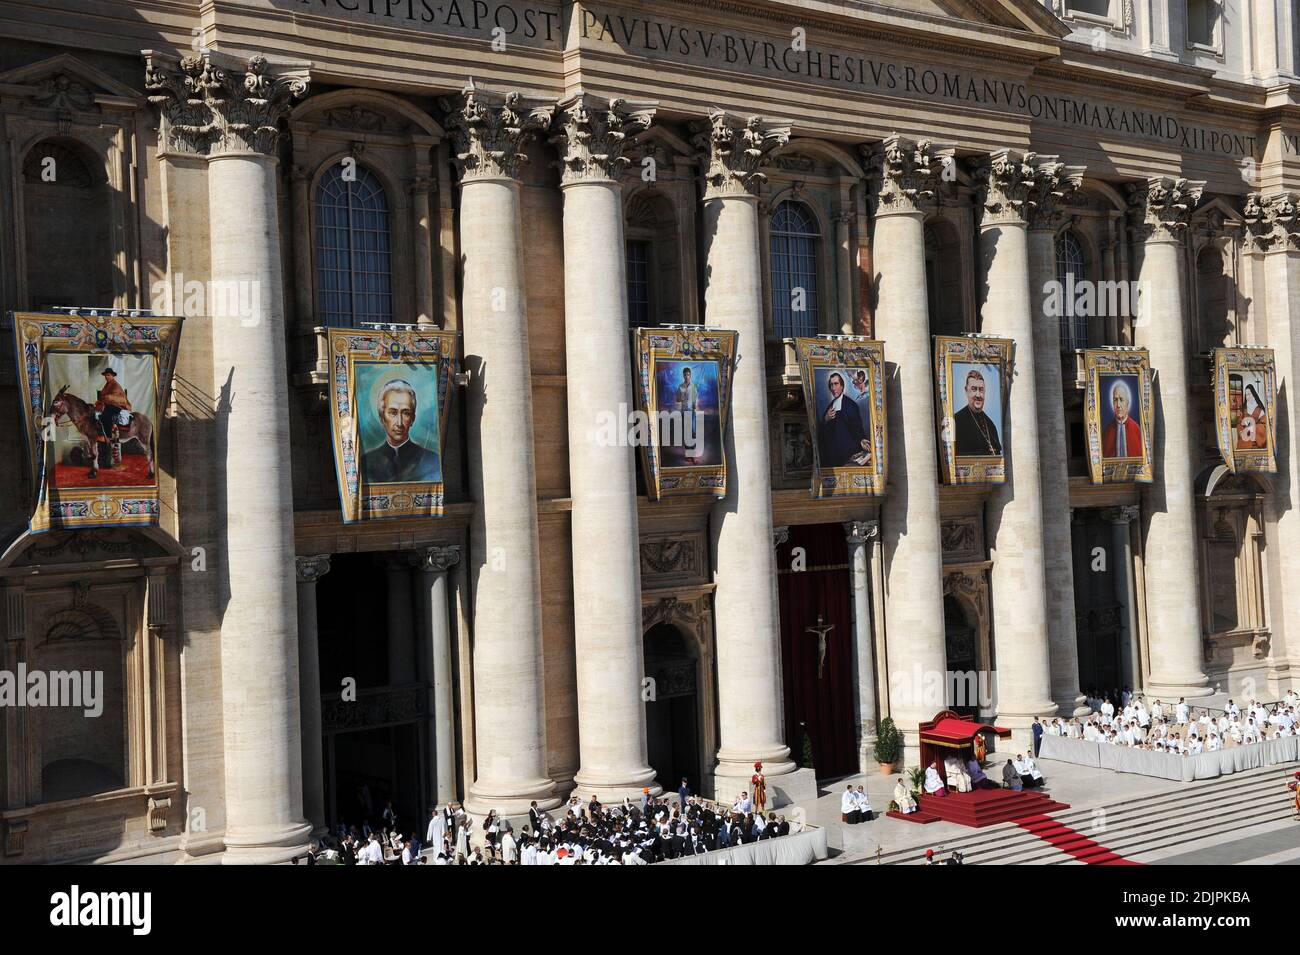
(824, 706)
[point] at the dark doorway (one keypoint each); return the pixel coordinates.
(671, 718)
(371, 767)
(813, 581)
(1098, 621)
(961, 652)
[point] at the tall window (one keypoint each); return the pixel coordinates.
(354, 278)
(68, 227)
(638, 283)
(1201, 15)
(1098, 8)
(794, 270)
(1070, 271)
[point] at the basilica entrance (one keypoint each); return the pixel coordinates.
(672, 722)
(817, 663)
(961, 650)
(1098, 612)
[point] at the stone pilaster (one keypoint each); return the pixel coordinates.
(1159, 210)
(308, 571)
(1273, 232)
(1015, 512)
(859, 536)
(491, 132)
(1121, 562)
(591, 136)
(1053, 182)
(904, 175)
(745, 603)
(433, 565)
(227, 110)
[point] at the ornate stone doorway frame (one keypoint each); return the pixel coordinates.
(968, 584)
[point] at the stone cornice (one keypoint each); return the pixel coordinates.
(735, 150)
(1161, 206)
(1272, 223)
(593, 133)
(491, 130)
(212, 104)
(904, 173)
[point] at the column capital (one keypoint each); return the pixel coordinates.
(491, 129)
(1123, 514)
(904, 172)
(422, 185)
(438, 559)
(1054, 183)
(592, 134)
(860, 532)
(1272, 223)
(780, 534)
(213, 103)
(735, 149)
(311, 569)
(1160, 207)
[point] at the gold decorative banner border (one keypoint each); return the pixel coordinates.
(651, 346)
(1104, 363)
(1246, 434)
(956, 467)
(428, 355)
(847, 357)
(48, 404)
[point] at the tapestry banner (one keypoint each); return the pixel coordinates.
(93, 390)
(844, 390)
(683, 390)
(1118, 410)
(1245, 405)
(972, 377)
(390, 391)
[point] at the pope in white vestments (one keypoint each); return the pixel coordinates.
(903, 797)
(958, 778)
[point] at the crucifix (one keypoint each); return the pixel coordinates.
(821, 629)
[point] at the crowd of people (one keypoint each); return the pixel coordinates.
(1180, 728)
(652, 830)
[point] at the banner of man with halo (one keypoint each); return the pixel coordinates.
(843, 386)
(389, 397)
(93, 389)
(1245, 400)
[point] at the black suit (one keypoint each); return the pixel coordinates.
(411, 462)
(971, 428)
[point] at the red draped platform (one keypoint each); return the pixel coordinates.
(983, 807)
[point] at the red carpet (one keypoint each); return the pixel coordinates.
(983, 807)
(1068, 840)
(134, 472)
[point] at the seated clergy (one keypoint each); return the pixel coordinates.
(1027, 778)
(903, 797)
(933, 783)
(863, 803)
(849, 807)
(958, 778)
(978, 780)
(1011, 778)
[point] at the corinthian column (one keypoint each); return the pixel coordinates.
(748, 625)
(859, 535)
(903, 174)
(1159, 209)
(1053, 181)
(491, 131)
(1274, 232)
(435, 626)
(1015, 513)
(310, 570)
(227, 110)
(602, 473)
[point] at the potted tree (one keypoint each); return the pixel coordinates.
(889, 746)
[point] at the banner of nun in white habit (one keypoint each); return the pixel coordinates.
(843, 386)
(1245, 393)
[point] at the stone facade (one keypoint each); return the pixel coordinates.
(916, 167)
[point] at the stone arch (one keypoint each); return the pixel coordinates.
(692, 616)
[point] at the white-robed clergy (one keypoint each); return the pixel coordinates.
(903, 797)
(849, 806)
(863, 802)
(958, 778)
(509, 848)
(437, 830)
(933, 784)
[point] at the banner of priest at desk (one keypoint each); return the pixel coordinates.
(389, 393)
(93, 389)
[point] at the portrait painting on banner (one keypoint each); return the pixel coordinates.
(1117, 413)
(682, 384)
(843, 380)
(93, 388)
(688, 420)
(103, 409)
(971, 375)
(389, 394)
(1245, 399)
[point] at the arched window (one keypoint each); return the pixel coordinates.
(1070, 272)
(354, 277)
(66, 217)
(794, 270)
